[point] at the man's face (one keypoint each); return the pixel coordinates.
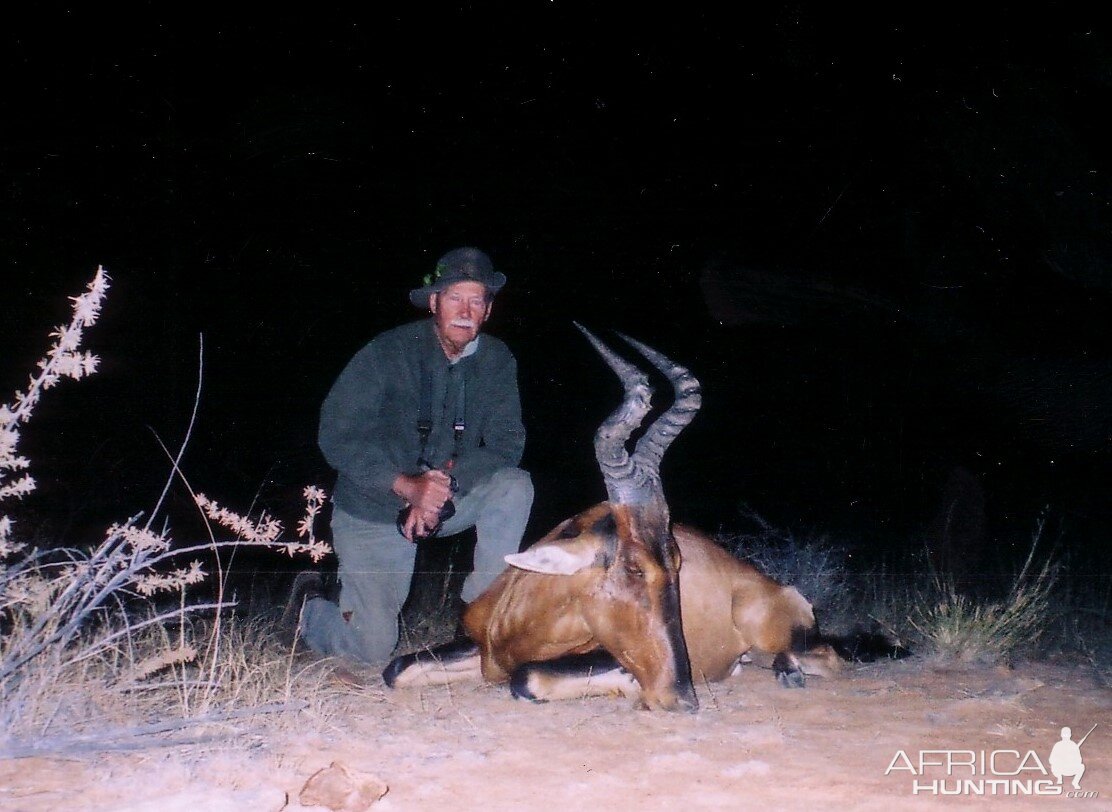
(459, 311)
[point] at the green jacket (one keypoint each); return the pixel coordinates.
(368, 424)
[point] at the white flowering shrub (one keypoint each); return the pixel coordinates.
(64, 360)
(82, 618)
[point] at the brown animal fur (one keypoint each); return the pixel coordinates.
(615, 602)
(729, 609)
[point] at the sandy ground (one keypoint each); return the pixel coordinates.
(753, 745)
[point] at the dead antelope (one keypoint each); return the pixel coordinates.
(602, 603)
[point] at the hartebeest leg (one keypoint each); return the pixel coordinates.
(788, 671)
(452, 662)
(788, 668)
(572, 676)
(808, 653)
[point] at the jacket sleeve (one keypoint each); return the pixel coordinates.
(352, 435)
(503, 435)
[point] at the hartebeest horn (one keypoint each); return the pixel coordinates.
(618, 471)
(636, 480)
(657, 438)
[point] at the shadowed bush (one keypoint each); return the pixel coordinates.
(814, 565)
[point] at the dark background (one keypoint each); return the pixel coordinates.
(880, 240)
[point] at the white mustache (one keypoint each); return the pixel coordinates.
(467, 324)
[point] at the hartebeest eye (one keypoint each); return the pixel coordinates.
(634, 571)
(570, 531)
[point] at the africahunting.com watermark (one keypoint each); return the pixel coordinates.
(996, 772)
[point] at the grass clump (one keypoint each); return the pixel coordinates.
(984, 626)
(954, 626)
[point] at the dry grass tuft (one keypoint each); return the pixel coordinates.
(148, 690)
(954, 626)
(951, 625)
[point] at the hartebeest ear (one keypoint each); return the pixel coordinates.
(556, 559)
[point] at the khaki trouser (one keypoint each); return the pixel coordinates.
(376, 567)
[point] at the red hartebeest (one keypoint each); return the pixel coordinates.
(602, 602)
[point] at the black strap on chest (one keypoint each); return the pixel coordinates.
(424, 416)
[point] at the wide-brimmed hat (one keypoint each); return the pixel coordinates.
(459, 265)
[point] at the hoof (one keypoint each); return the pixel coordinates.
(791, 679)
(788, 672)
(519, 685)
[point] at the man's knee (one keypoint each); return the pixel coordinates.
(513, 483)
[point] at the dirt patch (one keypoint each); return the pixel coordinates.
(753, 743)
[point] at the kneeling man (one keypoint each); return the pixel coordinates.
(426, 418)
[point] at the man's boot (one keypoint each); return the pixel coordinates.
(306, 586)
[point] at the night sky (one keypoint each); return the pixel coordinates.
(881, 242)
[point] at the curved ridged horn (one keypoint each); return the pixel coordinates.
(636, 480)
(651, 447)
(619, 472)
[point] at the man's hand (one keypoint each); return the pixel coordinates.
(427, 493)
(418, 524)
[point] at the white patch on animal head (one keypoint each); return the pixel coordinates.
(554, 559)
